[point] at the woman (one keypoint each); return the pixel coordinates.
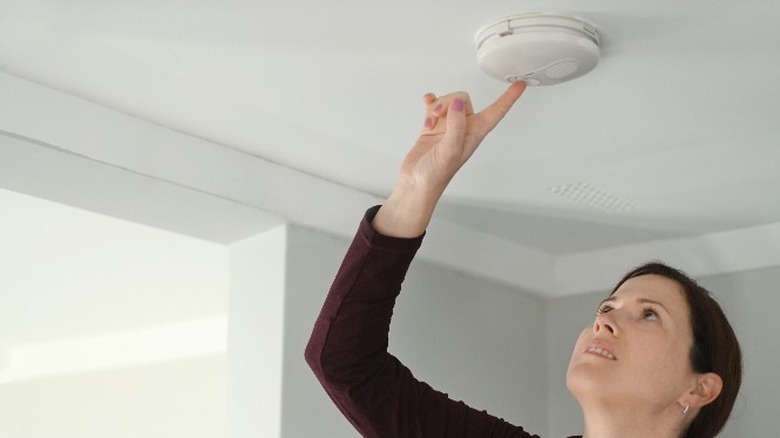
(661, 360)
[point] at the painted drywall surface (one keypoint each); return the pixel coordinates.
(751, 300)
(481, 342)
(72, 278)
(177, 399)
(68, 272)
(312, 261)
(255, 335)
(478, 341)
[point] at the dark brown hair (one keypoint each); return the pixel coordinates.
(715, 347)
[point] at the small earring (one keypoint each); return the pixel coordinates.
(685, 409)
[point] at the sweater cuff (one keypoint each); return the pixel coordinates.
(373, 238)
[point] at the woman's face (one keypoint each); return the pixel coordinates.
(637, 351)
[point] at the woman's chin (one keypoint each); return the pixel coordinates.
(588, 378)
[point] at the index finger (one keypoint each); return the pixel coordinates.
(498, 109)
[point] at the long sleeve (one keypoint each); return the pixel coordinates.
(348, 352)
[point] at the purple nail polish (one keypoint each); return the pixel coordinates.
(457, 105)
(428, 122)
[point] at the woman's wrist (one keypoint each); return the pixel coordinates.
(405, 213)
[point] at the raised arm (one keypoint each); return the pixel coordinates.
(451, 134)
(348, 347)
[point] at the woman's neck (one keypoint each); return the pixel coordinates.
(630, 422)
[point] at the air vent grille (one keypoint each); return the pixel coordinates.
(592, 197)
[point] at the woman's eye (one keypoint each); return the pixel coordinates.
(604, 309)
(650, 315)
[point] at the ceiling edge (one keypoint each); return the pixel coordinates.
(82, 130)
(87, 133)
(710, 254)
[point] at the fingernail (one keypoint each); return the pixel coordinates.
(428, 122)
(437, 108)
(457, 105)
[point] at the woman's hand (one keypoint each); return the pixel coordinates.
(451, 134)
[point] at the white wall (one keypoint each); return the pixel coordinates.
(499, 349)
(108, 328)
(71, 274)
(180, 399)
(479, 341)
(751, 300)
(67, 273)
(312, 260)
(256, 335)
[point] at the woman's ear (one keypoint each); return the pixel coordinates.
(707, 389)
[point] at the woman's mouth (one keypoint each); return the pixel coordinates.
(601, 352)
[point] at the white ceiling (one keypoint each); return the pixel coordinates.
(305, 110)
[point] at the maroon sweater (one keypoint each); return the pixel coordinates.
(348, 352)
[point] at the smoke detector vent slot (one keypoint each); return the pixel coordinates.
(540, 49)
(592, 197)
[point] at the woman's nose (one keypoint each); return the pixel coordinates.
(604, 323)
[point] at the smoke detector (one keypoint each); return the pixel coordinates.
(540, 49)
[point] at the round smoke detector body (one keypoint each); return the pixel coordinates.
(540, 49)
